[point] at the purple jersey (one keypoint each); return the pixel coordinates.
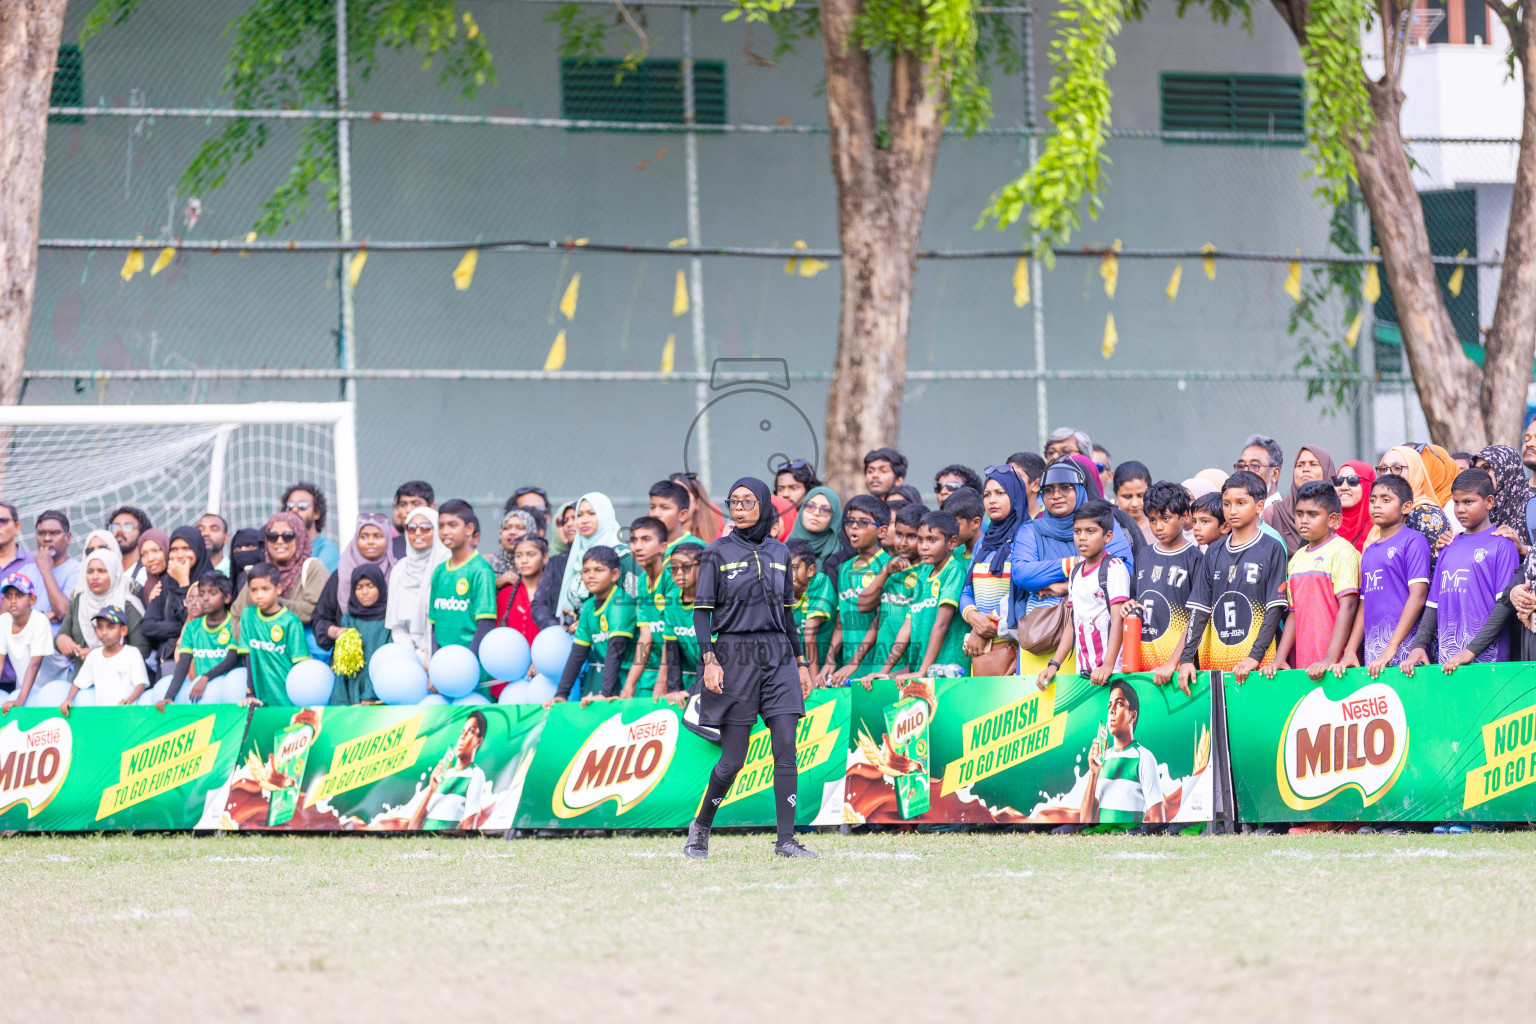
(1473, 570)
(1387, 569)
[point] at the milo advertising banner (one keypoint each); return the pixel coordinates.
(1001, 750)
(113, 768)
(378, 768)
(632, 764)
(1430, 747)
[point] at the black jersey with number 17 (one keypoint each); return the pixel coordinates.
(1241, 587)
(1164, 580)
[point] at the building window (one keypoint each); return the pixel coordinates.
(1450, 219)
(1256, 105)
(603, 90)
(68, 85)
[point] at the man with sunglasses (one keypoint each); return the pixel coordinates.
(1264, 458)
(304, 500)
(127, 524)
(531, 498)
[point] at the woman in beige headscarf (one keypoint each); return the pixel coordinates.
(1425, 514)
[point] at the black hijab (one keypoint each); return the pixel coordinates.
(239, 561)
(372, 573)
(767, 515)
(997, 542)
(175, 594)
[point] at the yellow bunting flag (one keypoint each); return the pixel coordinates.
(556, 357)
(133, 264)
(668, 353)
(355, 267)
(680, 295)
(581, 242)
(568, 302)
(464, 273)
(1454, 284)
(677, 243)
(1209, 261)
(1109, 270)
(250, 236)
(791, 265)
(1371, 289)
(1111, 336)
(811, 267)
(1173, 281)
(1293, 281)
(163, 260)
(1352, 336)
(1021, 282)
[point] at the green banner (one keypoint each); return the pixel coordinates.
(1002, 750)
(1430, 747)
(379, 768)
(632, 764)
(114, 768)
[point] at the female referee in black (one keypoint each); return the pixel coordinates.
(746, 591)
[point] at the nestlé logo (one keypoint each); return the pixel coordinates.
(618, 762)
(34, 763)
(1333, 745)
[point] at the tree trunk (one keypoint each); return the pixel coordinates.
(882, 194)
(29, 48)
(1511, 341)
(1444, 377)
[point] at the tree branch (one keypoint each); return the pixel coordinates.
(1294, 14)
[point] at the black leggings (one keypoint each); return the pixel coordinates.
(733, 754)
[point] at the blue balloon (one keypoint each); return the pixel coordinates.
(83, 699)
(227, 689)
(472, 698)
(514, 693)
(432, 700)
(148, 697)
(397, 674)
(310, 683)
(505, 654)
(454, 671)
(550, 650)
(541, 688)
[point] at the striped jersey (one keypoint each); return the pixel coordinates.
(1091, 606)
(1128, 785)
(457, 797)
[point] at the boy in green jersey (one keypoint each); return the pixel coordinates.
(896, 589)
(647, 543)
(965, 505)
(206, 638)
(935, 626)
(680, 647)
(271, 636)
(605, 630)
(815, 598)
(864, 524)
(670, 503)
(463, 598)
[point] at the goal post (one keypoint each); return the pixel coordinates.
(178, 461)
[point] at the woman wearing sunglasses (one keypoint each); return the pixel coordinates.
(301, 577)
(1354, 482)
(410, 582)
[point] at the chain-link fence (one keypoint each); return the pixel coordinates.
(686, 244)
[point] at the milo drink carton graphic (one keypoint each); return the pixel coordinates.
(290, 753)
(906, 734)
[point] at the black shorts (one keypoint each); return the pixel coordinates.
(760, 679)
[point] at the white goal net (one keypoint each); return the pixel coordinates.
(177, 462)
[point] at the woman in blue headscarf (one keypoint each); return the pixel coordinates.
(987, 603)
(1044, 552)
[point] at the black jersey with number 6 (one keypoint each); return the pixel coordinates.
(1164, 580)
(1241, 587)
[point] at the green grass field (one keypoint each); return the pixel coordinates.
(883, 927)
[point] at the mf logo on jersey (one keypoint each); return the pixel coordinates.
(34, 763)
(618, 762)
(1329, 746)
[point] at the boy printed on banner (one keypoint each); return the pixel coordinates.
(1165, 575)
(864, 523)
(893, 591)
(1241, 591)
(1469, 575)
(1099, 583)
(815, 598)
(679, 671)
(605, 630)
(26, 638)
(934, 621)
(1323, 583)
(1395, 573)
(114, 670)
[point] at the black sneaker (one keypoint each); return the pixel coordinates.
(792, 848)
(697, 846)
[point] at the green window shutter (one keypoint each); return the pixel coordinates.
(1450, 218)
(604, 90)
(1258, 105)
(68, 85)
